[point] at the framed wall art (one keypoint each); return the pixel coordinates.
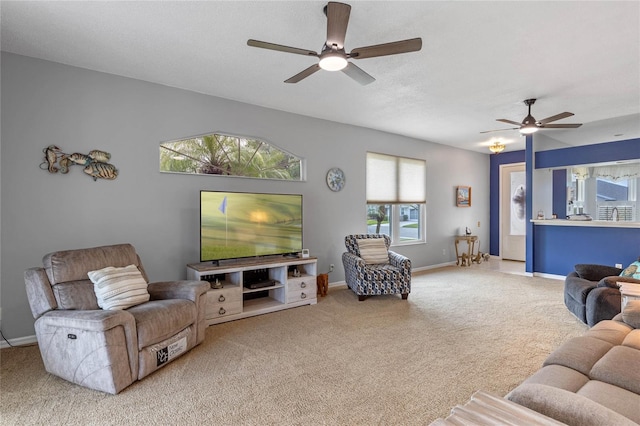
(463, 196)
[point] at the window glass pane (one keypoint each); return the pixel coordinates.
(410, 223)
(611, 198)
(219, 154)
(404, 223)
(378, 217)
(614, 199)
(607, 190)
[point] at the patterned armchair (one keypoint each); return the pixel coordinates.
(391, 275)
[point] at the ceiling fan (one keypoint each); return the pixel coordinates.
(333, 57)
(531, 125)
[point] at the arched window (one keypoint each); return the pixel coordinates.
(227, 155)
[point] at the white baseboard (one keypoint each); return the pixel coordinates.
(439, 265)
(19, 341)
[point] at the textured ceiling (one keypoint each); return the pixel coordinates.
(478, 62)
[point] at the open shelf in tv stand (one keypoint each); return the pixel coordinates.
(235, 301)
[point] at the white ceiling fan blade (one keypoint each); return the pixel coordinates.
(358, 74)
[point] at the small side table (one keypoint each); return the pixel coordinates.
(464, 259)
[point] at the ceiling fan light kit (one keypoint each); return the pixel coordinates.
(529, 128)
(333, 61)
(333, 56)
(497, 147)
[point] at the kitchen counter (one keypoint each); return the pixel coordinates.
(587, 223)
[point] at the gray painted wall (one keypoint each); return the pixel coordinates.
(46, 103)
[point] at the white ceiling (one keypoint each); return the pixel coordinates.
(478, 62)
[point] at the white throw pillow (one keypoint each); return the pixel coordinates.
(373, 250)
(119, 288)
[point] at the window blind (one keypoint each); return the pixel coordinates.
(395, 180)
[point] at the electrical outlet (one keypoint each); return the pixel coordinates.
(331, 268)
(478, 224)
(619, 265)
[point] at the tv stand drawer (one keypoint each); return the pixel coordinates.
(301, 288)
(221, 302)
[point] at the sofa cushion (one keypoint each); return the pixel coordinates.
(619, 367)
(158, 320)
(119, 288)
(579, 353)
(567, 407)
(614, 332)
(595, 272)
(632, 340)
(631, 313)
(632, 271)
(614, 398)
(373, 250)
(559, 376)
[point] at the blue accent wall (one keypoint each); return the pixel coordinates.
(528, 155)
(598, 153)
(559, 203)
(558, 248)
(495, 161)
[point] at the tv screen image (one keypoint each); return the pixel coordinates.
(241, 224)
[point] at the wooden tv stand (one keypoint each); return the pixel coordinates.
(286, 289)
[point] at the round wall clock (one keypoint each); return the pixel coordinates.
(335, 179)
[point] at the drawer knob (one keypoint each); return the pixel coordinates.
(303, 296)
(221, 298)
(303, 284)
(222, 311)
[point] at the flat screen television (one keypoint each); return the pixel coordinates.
(237, 225)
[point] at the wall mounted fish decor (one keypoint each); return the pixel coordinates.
(95, 163)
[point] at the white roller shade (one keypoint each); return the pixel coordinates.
(395, 180)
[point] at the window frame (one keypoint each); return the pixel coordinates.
(586, 198)
(397, 178)
(300, 160)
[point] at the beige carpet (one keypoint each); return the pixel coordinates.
(341, 362)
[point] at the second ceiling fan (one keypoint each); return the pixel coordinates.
(333, 56)
(530, 125)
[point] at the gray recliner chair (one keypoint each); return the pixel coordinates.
(591, 292)
(108, 350)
